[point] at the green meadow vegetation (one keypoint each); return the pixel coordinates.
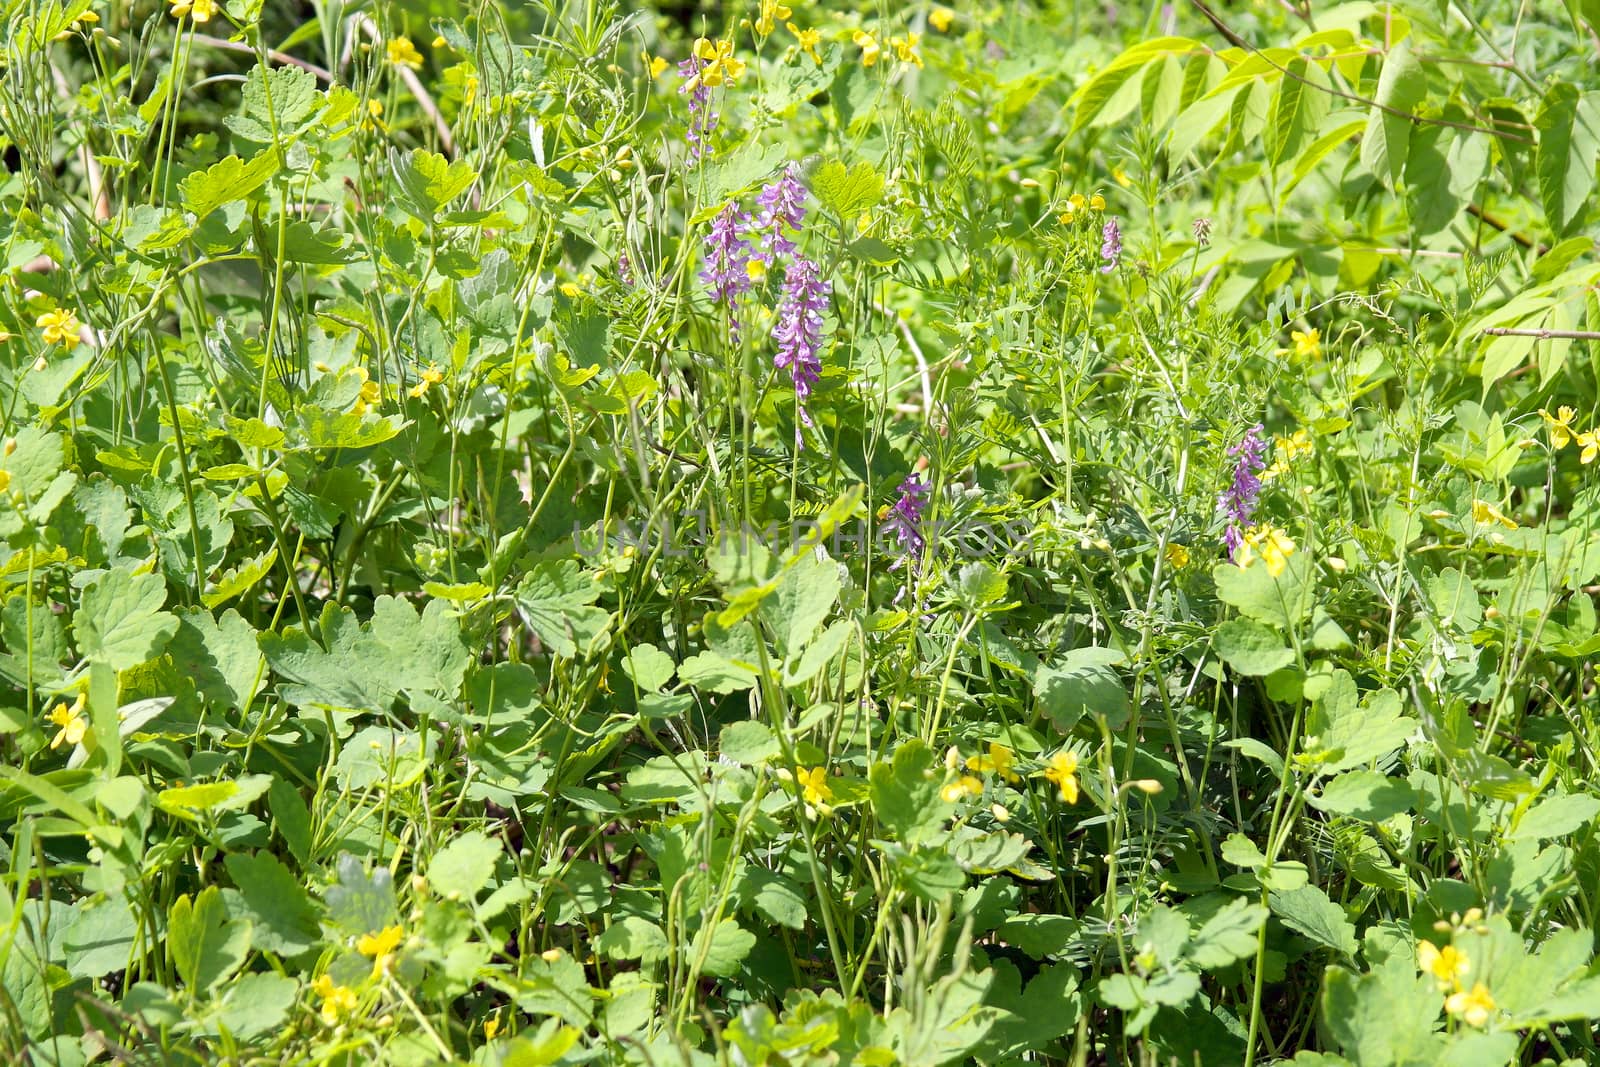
(799, 534)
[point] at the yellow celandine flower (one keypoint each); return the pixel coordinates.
(808, 39)
(814, 785)
(381, 947)
(964, 786)
(870, 48)
(1073, 208)
(905, 49)
(1063, 771)
(402, 53)
(1097, 202)
(72, 725)
(1284, 452)
(1447, 964)
(5, 481)
(771, 11)
(1269, 544)
(1560, 426)
(940, 18)
(1178, 555)
(1486, 514)
(60, 327)
(439, 42)
(1589, 441)
(337, 1000)
(197, 10)
(656, 64)
(1120, 176)
(429, 378)
(1471, 1006)
(1307, 345)
(382, 943)
(720, 64)
(87, 18)
(370, 394)
(998, 761)
(491, 1026)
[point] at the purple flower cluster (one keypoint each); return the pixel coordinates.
(905, 518)
(1111, 245)
(703, 117)
(798, 332)
(727, 269)
(783, 208)
(1238, 501)
(736, 243)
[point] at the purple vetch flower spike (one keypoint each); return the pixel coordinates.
(703, 117)
(798, 332)
(727, 270)
(1238, 501)
(1111, 245)
(905, 519)
(783, 208)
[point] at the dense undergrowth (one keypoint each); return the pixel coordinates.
(812, 534)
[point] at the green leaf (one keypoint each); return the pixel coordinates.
(737, 173)
(905, 793)
(282, 98)
(281, 913)
(380, 756)
(805, 595)
(293, 820)
(360, 904)
(1569, 141)
(1367, 795)
(257, 1004)
(555, 600)
(649, 667)
(730, 944)
(1344, 731)
(1082, 682)
(1230, 934)
(1308, 911)
(774, 897)
(847, 193)
(119, 621)
(227, 180)
(366, 667)
(714, 673)
(206, 946)
(748, 743)
(1298, 109)
(632, 938)
(1402, 84)
(220, 654)
(1386, 1016)
(237, 794)
(1282, 602)
(318, 429)
(1557, 816)
(101, 939)
(236, 581)
(429, 181)
(464, 866)
(1252, 649)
